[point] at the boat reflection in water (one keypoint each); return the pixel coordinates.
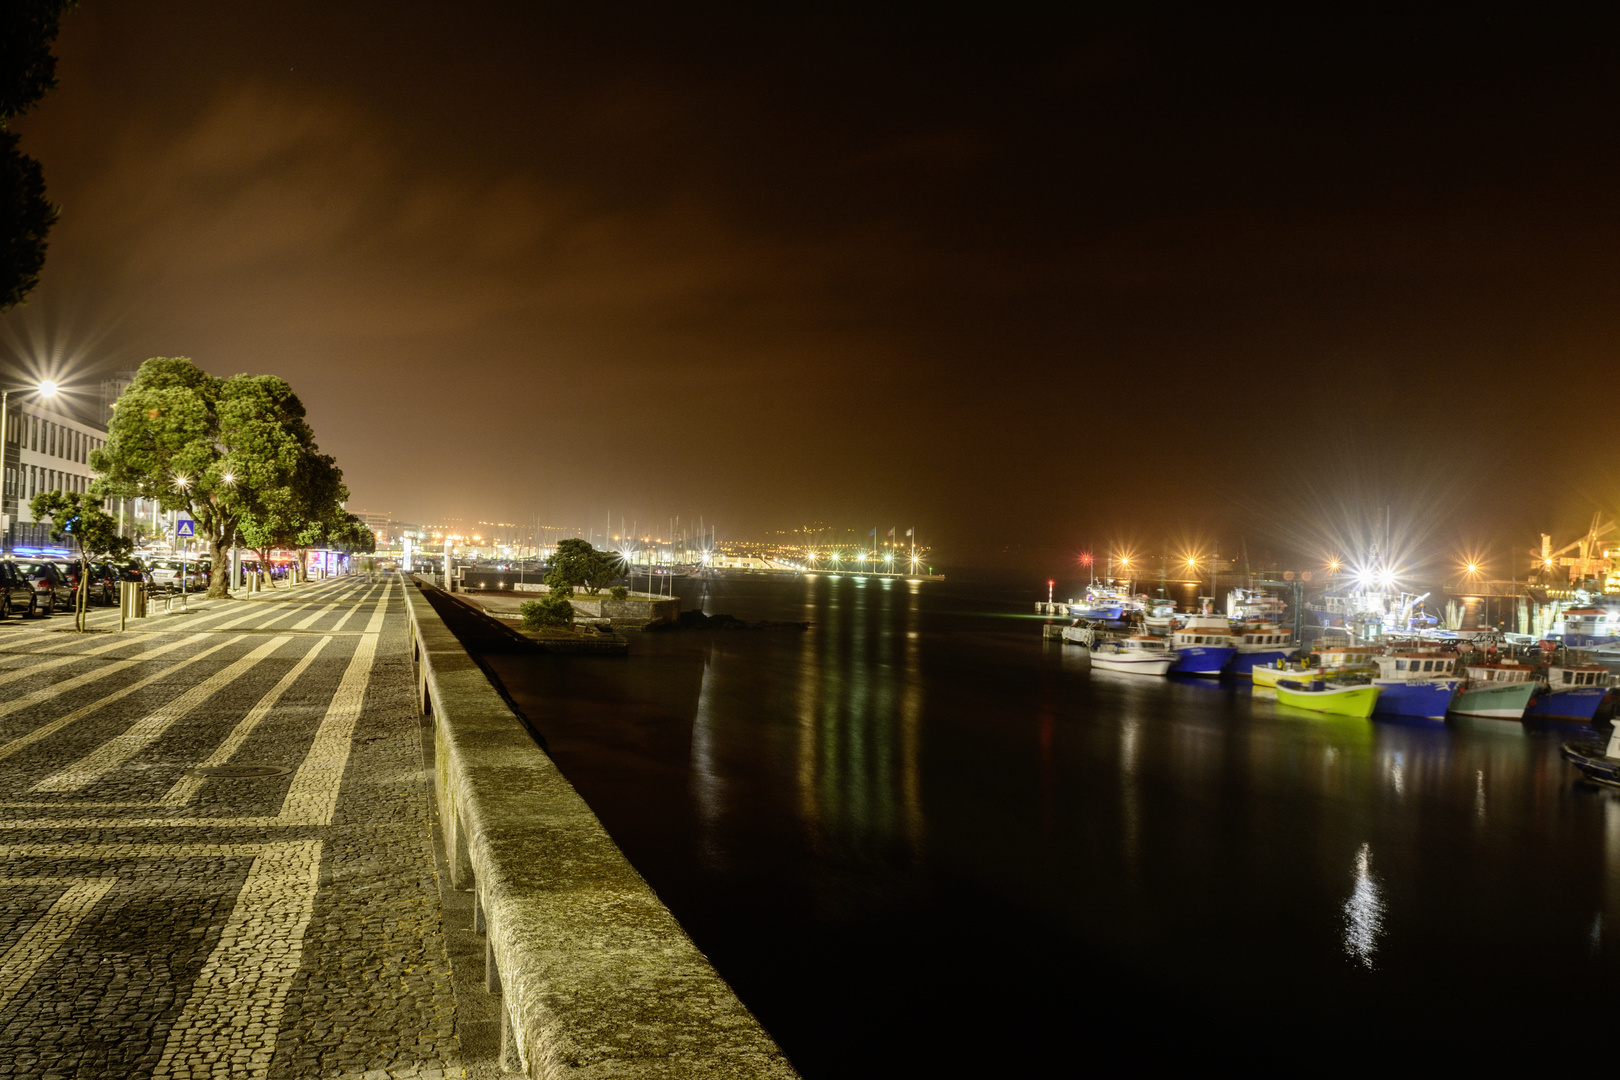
(919, 843)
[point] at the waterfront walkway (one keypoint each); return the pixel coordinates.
(162, 917)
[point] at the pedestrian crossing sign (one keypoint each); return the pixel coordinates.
(185, 527)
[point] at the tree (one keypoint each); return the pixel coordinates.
(221, 449)
(576, 564)
(351, 535)
(553, 609)
(92, 529)
(299, 514)
(27, 72)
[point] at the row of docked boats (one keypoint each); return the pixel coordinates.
(1405, 678)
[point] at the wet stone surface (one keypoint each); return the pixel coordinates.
(160, 922)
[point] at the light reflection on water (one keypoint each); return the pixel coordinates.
(919, 801)
(1363, 912)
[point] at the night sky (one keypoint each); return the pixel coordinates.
(1025, 282)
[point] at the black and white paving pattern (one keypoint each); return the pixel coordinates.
(216, 846)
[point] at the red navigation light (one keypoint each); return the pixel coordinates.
(1085, 558)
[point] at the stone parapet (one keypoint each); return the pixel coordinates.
(597, 978)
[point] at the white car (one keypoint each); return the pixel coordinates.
(166, 575)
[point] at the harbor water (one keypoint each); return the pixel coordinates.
(918, 840)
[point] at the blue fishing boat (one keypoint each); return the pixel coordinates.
(1104, 601)
(1203, 644)
(1259, 643)
(1595, 761)
(1414, 683)
(1572, 693)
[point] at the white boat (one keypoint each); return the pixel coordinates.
(1244, 603)
(1159, 614)
(1136, 655)
(1081, 634)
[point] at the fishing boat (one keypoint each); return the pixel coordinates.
(1350, 697)
(1140, 655)
(1596, 761)
(1203, 643)
(1337, 660)
(1497, 689)
(1584, 626)
(1416, 683)
(1159, 614)
(1259, 643)
(1104, 600)
(1244, 603)
(1571, 693)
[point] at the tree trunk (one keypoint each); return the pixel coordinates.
(219, 582)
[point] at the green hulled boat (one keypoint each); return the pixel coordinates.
(1319, 695)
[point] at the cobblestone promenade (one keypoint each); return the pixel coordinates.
(157, 920)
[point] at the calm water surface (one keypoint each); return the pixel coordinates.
(917, 838)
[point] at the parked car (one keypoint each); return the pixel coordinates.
(166, 574)
(51, 589)
(103, 587)
(16, 591)
(103, 584)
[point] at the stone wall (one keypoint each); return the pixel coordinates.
(595, 975)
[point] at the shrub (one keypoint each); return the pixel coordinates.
(551, 610)
(618, 592)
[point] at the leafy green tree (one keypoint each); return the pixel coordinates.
(351, 535)
(27, 72)
(220, 449)
(576, 564)
(94, 532)
(299, 514)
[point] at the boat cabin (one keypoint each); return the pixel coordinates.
(1263, 633)
(1204, 629)
(1141, 643)
(1501, 673)
(1592, 621)
(1585, 675)
(1415, 665)
(1349, 656)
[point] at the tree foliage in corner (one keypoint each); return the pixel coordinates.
(27, 71)
(576, 564)
(228, 451)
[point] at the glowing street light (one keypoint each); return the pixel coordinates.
(46, 388)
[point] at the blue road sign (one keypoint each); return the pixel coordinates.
(185, 527)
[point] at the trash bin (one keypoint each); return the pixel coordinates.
(132, 600)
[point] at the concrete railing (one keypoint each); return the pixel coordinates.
(596, 977)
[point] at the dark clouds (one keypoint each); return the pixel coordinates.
(1008, 277)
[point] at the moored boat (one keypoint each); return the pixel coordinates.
(1595, 761)
(1259, 643)
(1353, 697)
(1203, 643)
(1337, 660)
(1571, 693)
(1136, 655)
(1416, 683)
(1498, 690)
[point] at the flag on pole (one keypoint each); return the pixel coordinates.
(891, 534)
(910, 531)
